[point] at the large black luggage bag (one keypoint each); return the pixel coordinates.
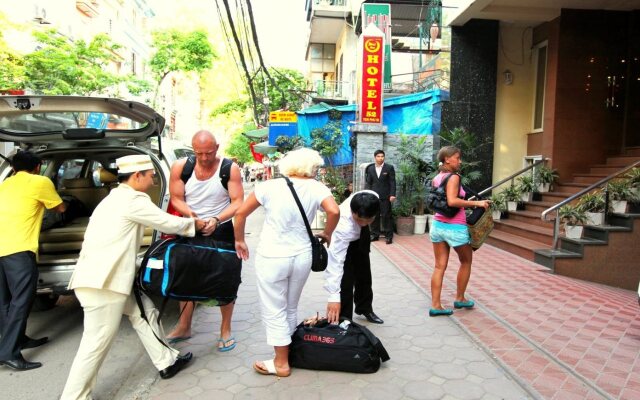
(195, 269)
(331, 347)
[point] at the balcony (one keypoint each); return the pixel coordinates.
(88, 7)
(326, 19)
(335, 92)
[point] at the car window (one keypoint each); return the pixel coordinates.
(180, 153)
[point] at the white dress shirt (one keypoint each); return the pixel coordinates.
(379, 169)
(346, 232)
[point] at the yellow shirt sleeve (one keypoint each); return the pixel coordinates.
(47, 194)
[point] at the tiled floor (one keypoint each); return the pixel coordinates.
(565, 338)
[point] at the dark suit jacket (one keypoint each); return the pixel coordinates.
(385, 186)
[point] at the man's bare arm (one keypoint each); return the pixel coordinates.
(176, 189)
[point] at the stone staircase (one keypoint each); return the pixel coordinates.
(525, 234)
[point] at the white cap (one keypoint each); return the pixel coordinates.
(131, 164)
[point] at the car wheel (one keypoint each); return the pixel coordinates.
(44, 302)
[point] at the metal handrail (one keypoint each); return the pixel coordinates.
(556, 225)
(512, 176)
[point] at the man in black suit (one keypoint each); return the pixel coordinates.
(381, 178)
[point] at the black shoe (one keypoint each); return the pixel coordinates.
(372, 317)
(30, 343)
(389, 240)
(180, 363)
(375, 238)
(20, 364)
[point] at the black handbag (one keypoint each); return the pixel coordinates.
(437, 199)
(319, 256)
(331, 347)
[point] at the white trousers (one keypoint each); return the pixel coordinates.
(280, 281)
(103, 310)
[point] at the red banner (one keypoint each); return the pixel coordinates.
(372, 77)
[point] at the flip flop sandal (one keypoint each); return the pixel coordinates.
(270, 368)
(224, 346)
(178, 339)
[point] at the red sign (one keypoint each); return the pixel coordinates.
(372, 79)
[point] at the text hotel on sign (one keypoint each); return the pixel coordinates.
(372, 76)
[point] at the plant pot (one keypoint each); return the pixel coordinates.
(430, 221)
(573, 231)
(405, 225)
(496, 215)
(512, 205)
(420, 225)
(526, 197)
(595, 219)
(320, 220)
(619, 206)
(543, 187)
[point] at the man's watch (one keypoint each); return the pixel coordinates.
(217, 220)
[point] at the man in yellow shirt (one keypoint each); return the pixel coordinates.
(24, 196)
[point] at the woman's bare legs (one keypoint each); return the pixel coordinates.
(441, 251)
(465, 255)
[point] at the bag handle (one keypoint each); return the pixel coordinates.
(382, 352)
(304, 216)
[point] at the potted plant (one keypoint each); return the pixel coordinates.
(620, 192)
(498, 205)
(633, 177)
(593, 205)
(572, 218)
(526, 186)
(403, 213)
(545, 177)
(512, 197)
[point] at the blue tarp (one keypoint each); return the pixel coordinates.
(413, 114)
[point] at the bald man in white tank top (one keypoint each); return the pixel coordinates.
(203, 195)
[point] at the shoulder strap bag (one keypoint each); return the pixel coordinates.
(319, 252)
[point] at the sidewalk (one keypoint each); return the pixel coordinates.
(431, 358)
(561, 337)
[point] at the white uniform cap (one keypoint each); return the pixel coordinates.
(135, 163)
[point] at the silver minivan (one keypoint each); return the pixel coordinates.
(79, 139)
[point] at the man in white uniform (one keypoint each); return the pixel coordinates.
(104, 274)
(349, 266)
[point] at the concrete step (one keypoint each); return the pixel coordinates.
(525, 230)
(539, 206)
(604, 169)
(570, 187)
(547, 257)
(528, 217)
(622, 161)
(632, 151)
(588, 178)
(554, 197)
(515, 244)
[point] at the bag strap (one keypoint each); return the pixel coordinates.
(137, 294)
(304, 216)
(382, 352)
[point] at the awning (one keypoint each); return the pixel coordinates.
(257, 134)
(265, 148)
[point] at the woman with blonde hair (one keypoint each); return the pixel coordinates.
(283, 256)
(451, 232)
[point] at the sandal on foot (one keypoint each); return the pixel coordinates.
(177, 339)
(270, 369)
(224, 346)
(464, 304)
(434, 312)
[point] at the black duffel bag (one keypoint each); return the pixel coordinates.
(330, 347)
(191, 269)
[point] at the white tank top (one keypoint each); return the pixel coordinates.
(206, 198)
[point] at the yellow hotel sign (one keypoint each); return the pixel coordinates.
(283, 116)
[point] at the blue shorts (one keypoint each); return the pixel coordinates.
(454, 234)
